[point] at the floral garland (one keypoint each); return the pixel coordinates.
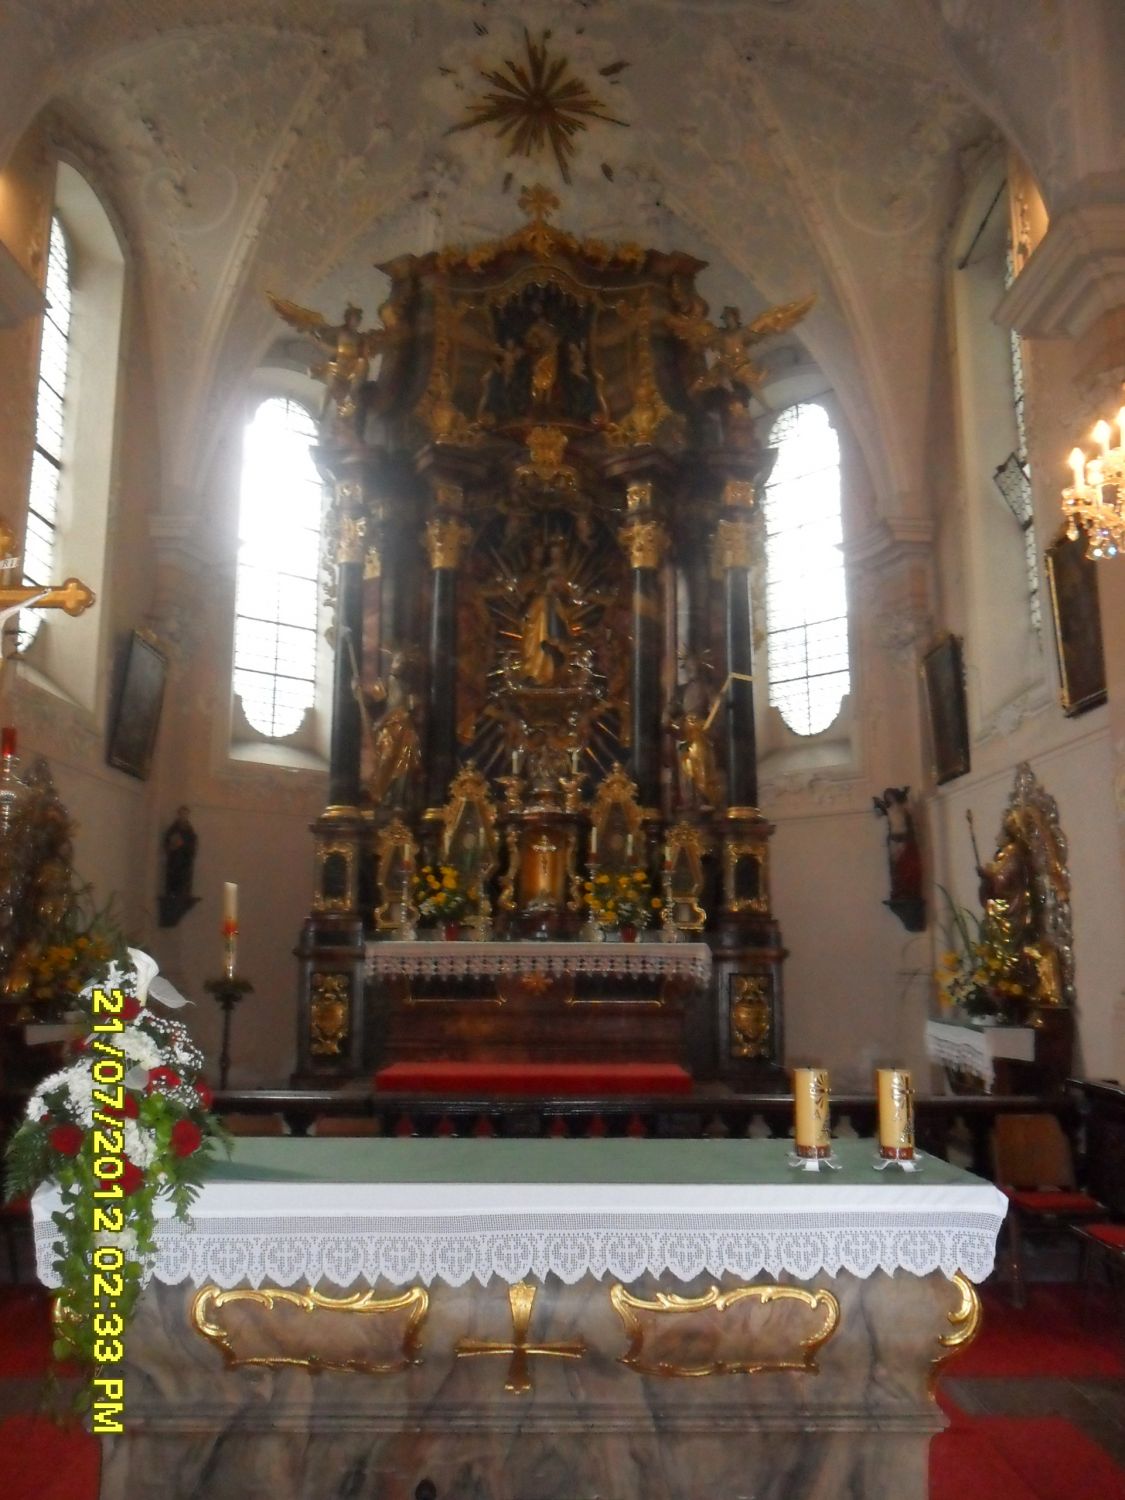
(620, 899)
(114, 1148)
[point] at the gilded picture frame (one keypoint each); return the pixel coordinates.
(1072, 579)
(943, 672)
(136, 721)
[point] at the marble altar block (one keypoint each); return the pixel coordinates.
(548, 1320)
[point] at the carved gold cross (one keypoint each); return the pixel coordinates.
(521, 1297)
(72, 596)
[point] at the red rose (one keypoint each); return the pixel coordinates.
(66, 1139)
(206, 1095)
(186, 1137)
(130, 1180)
(129, 1111)
(131, 1008)
(163, 1078)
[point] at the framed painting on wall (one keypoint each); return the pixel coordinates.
(943, 671)
(133, 734)
(1073, 581)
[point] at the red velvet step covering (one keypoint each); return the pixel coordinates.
(571, 1079)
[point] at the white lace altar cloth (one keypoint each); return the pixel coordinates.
(470, 960)
(662, 1217)
(973, 1050)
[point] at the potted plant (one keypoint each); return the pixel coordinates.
(620, 902)
(441, 897)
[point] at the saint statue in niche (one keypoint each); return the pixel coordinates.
(688, 719)
(395, 749)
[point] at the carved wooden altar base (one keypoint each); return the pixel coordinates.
(558, 1003)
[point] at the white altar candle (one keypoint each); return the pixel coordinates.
(230, 905)
(812, 1135)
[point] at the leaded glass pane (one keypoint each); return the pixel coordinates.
(806, 601)
(278, 562)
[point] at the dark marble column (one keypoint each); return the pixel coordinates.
(646, 542)
(732, 546)
(347, 727)
(446, 536)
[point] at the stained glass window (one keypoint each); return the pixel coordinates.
(275, 639)
(806, 602)
(47, 456)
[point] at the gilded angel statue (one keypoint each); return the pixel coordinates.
(728, 343)
(348, 346)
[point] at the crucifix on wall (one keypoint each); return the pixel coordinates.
(71, 596)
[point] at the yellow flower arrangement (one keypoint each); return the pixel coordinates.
(439, 894)
(976, 972)
(621, 899)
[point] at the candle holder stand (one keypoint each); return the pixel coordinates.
(227, 991)
(912, 1163)
(813, 1163)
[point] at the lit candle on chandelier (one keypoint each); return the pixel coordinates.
(7, 741)
(230, 927)
(811, 1134)
(1077, 462)
(896, 1114)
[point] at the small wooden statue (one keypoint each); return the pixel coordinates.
(180, 844)
(904, 858)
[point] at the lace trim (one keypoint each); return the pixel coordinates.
(466, 960)
(974, 1051)
(287, 1250)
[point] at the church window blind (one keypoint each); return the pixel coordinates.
(806, 603)
(275, 642)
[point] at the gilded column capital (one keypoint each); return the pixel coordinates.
(372, 564)
(350, 545)
(446, 540)
(732, 544)
(738, 494)
(646, 543)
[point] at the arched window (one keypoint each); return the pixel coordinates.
(806, 603)
(275, 640)
(47, 458)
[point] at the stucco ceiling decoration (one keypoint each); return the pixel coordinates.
(248, 144)
(537, 104)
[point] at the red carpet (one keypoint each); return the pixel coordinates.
(45, 1461)
(1058, 1333)
(567, 1079)
(25, 1347)
(1020, 1458)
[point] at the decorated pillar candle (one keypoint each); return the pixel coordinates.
(812, 1136)
(896, 1114)
(230, 928)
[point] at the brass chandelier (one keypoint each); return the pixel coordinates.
(1095, 501)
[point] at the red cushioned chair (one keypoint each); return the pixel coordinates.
(1035, 1170)
(1104, 1244)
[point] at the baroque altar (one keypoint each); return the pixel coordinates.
(543, 701)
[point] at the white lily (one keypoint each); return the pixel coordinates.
(150, 983)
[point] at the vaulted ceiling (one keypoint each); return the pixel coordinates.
(796, 145)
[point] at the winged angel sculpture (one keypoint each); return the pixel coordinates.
(348, 347)
(724, 348)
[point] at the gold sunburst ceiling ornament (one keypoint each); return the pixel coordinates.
(539, 104)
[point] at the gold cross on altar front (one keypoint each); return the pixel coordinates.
(522, 1300)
